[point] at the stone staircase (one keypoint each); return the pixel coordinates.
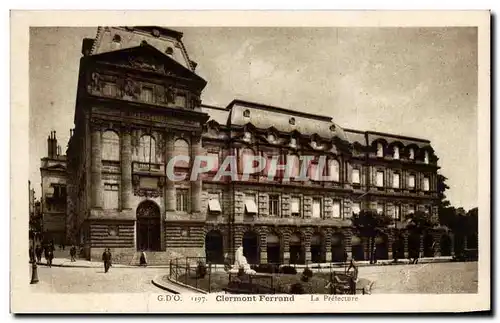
(159, 258)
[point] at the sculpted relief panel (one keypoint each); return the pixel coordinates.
(126, 88)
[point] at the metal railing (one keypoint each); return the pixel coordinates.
(188, 271)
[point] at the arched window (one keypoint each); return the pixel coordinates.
(334, 170)
(412, 153)
(293, 163)
(313, 170)
(110, 146)
(380, 150)
(147, 149)
(396, 152)
(181, 148)
(246, 157)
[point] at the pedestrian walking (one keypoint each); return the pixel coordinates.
(38, 253)
(106, 258)
(72, 253)
(143, 261)
(50, 257)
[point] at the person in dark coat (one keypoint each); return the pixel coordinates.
(143, 261)
(38, 253)
(50, 257)
(72, 253)
(106, 258)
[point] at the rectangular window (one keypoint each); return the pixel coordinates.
(182, 199)
(355, 176)
(427, 209)
(411, 209)
(147, 95)
(316, 208)
(395, 180)
(336, 210)
(295, 206)
(380, 179)
(274, 205)
(111, 196)
(426, 184)
(380, 208)
(397, 212)
(411, 182)
(356, 208)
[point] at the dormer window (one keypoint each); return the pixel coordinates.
(412, 154)
(291, 121)
(380, 150)
(247, 136)
(169, 51)
(396, 152)
(246, 114)
(293, 142)
(156, 33)
(144, 43)
(271, 138)
(426, 157)
(117, 41)
(332, 128)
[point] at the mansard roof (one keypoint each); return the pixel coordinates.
(263, 116)
(368, 138)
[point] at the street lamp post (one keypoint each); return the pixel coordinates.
(34, 268)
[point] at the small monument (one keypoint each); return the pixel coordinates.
(241, 262)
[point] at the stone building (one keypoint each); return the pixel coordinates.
(54, 192)
(139, 104)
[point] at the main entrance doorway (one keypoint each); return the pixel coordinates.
(251, 247)
(148, 226)
(214, 247)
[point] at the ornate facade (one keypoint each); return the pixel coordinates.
(139, 104)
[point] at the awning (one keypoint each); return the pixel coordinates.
(355, 241)
(273, 239)
(316, 240)
(250, 207)
(214, 205)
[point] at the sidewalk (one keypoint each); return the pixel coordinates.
(174, 287)
(81, 263)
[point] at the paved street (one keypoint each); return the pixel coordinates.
(432, 278)
(94, 280)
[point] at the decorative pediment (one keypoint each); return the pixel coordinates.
(146, 58)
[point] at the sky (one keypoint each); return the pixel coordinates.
(419, 82)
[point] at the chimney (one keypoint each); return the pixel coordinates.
(54, 145)
(49, 145)
(87, 46)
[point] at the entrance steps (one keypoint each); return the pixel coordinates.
(153, 258)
